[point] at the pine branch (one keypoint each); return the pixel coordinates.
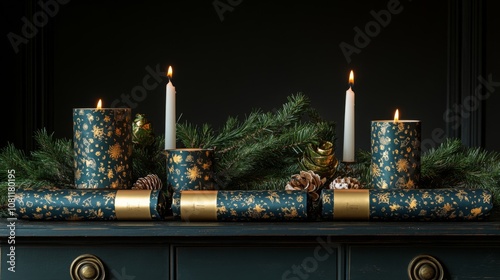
(51, 164)
(454, 165)
(54, 160)
(262, 145)
(149, 160)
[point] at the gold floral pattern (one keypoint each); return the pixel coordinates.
(189, 169)
(419, 204)
(78, 204)
(395, 154)
(102, 143)
(258, 205)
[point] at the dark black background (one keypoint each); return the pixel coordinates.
(260, 53)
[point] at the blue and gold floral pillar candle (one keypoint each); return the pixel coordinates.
(190, 169)
(395, 147)
(102, 142)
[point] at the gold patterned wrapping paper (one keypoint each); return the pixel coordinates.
(406, 204)
(102, 140)
(90, 204)
(190, 169)
(240, 205)
(395, 148)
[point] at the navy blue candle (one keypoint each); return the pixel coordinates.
(190, 169)
(102, 142)
(395, 147)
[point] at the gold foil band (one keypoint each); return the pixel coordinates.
(351, 204)
(133, 204)
(198, 205)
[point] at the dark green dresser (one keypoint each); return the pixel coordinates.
(293, 251)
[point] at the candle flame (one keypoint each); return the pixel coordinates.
(169, 72)
(396, 116)
(99, 104)
(351, 78)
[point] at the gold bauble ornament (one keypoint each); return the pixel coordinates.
(142, 131)
(320, 159)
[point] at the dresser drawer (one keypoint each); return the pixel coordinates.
(120, 261)
(392, 262)
(257, 262)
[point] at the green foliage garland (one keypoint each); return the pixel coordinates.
(261, 151)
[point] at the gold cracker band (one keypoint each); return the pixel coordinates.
(198, 205)
(352, 204)
(133, 205)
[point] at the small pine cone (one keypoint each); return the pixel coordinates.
(345, 183)
(150, 182)
(306, 181)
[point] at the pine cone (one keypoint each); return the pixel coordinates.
(307, 181)
(345, 183)
(150, 182)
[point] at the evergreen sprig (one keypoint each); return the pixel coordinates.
(149, 159)
(454, 165)
(262, 150)
(50, 165)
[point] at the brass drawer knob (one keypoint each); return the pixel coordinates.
(425, 267)
(87, 267)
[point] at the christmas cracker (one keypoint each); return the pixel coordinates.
(239, 205)
(406, 204)
(95, 204)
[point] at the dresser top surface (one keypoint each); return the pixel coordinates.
(25, 228)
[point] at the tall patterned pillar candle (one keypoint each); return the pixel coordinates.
(102, 142)
(395, 147)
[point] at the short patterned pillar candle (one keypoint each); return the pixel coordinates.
(190, 169)
(102, 141)
(395, 147)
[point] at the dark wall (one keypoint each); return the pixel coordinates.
(492, 111)
(10, 75)
(257, 55)
(253, 55)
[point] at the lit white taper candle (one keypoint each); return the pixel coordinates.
(349, 144)
(170, 119)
